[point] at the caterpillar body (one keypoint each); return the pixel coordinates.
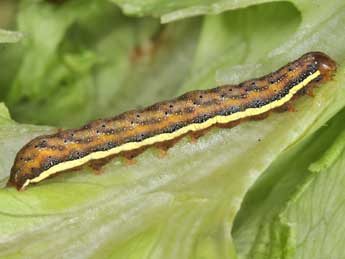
(167, 121)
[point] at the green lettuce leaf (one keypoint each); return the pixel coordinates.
(175, 206)
(319, 214)
(4, 114)
(96, 71)
(9, 36)
(295, 208)
(179, 9)
(235, 193)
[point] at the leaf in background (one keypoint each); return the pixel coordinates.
(183, 205)
(171, 11)
(319, 213)
(7, 64)
(96, 71)
(180, 9)
(240, 37)
(292, 201)
(47, 80)
(4, 114)
(9, 36)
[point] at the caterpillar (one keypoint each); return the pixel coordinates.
(166, 121)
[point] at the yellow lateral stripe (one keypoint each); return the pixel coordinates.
(168, 136)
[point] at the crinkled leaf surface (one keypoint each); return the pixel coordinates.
(297, 208)
(318, 215)
(98, 71)
(182, 205)
(176, 206)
